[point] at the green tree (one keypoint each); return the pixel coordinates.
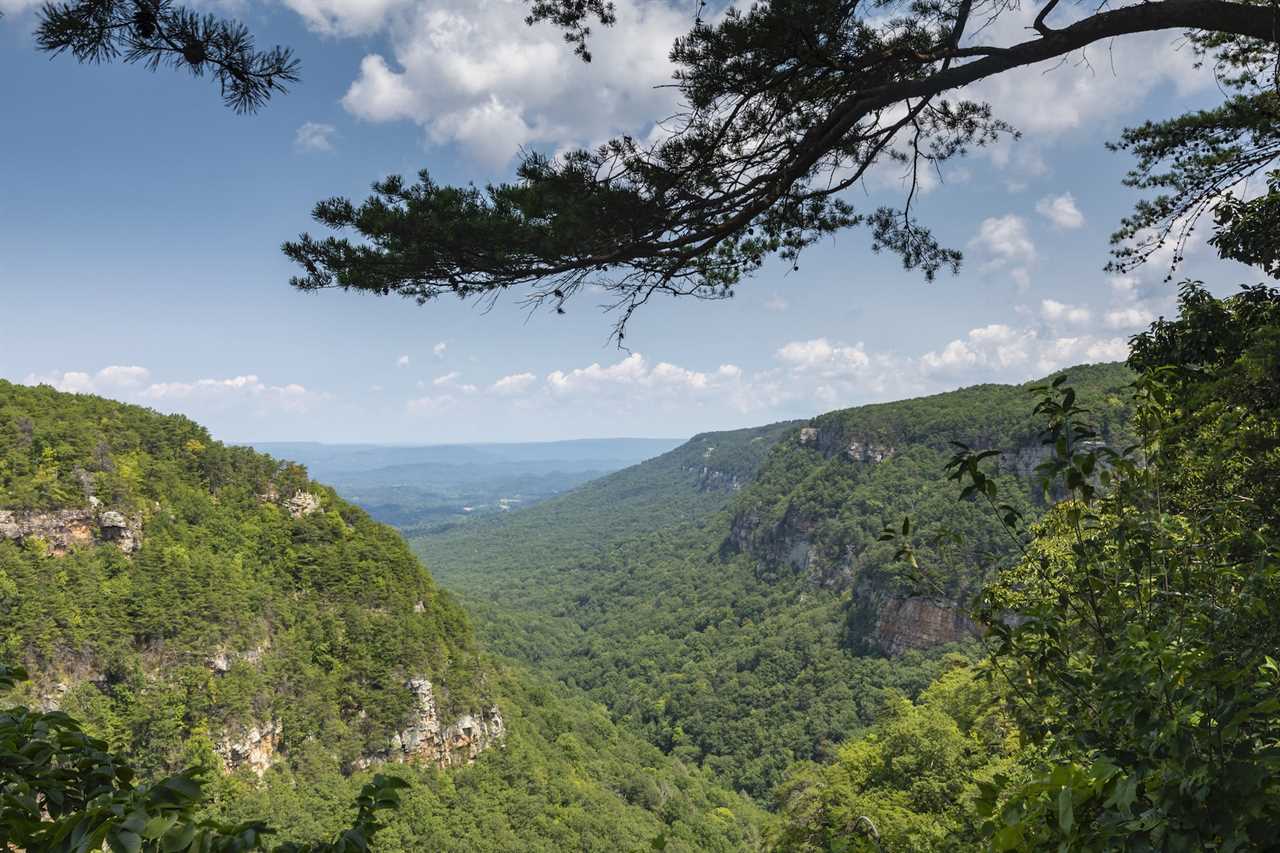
(788, 104)
(161, 33)
(62, 791)
(1137, 637)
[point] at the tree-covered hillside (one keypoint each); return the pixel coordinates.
(202, 605)
(252, 596)
(656, 597)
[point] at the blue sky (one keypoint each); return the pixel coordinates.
(140, 224)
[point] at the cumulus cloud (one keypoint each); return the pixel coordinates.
(291, 397)
(1054, 97)
(132, 383)
(1004, 244)
(631, 372)
(1059, 313)
(1133, 317)
(313, 136)
(438, 350)
(515, 383)
(1005, 240)
(471, 73)
(776, 303)
(993, 346)
(109, 380)
(1063, 352)
(450, 380)
(821, 356)
(1061, 211)
(402, 361)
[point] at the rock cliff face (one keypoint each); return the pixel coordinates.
(792, 534)
(427, 740)
(917, 622)
(64, 529)
(711, 480)
(253, 747)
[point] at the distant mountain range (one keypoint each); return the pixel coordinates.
(425, 487)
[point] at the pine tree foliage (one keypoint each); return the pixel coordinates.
(160, 33)
(786, 106)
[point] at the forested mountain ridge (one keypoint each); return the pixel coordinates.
(174, 592)
(823, 496)
(429, 486)
(684, 484)
(669, 603)
(199, 605)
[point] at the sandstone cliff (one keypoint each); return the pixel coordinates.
(426, 739)
(64, 529)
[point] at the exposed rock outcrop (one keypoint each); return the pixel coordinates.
(868, 452)
(256, 747)
(917, 622)
(712, 480)
(302, 504)
(63, 529)
(221, 661)
(426, 740)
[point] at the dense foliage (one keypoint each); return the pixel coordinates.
(631, 587)
(62, 791)
(1146, 652)
(836, 487)
(1131, 697)
(234, 612)
(567, 778)
(913, 780)
(321, 618)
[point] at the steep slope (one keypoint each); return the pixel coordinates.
(166, 589)
(748, 633)
(196, 603)
(823, 497)
(699, 477)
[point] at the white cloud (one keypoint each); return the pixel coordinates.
(402, 361)
(1005, 240)
(776, 303)
(200, 398)
(822, 356)
(313, 136)
(995, 346)
(110, 380)
(1057, 313)
(515, 383)
(450, 380)
(471, 72)
(439, 349)
(1056, 96)
(1133, 318)
(221, 392)
(1063, 352)
(1061, 211)
(345, 17)
(1124, 286)
(12, 7)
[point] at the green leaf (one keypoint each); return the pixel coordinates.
(1066, 811)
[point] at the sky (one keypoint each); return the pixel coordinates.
(140, 225)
